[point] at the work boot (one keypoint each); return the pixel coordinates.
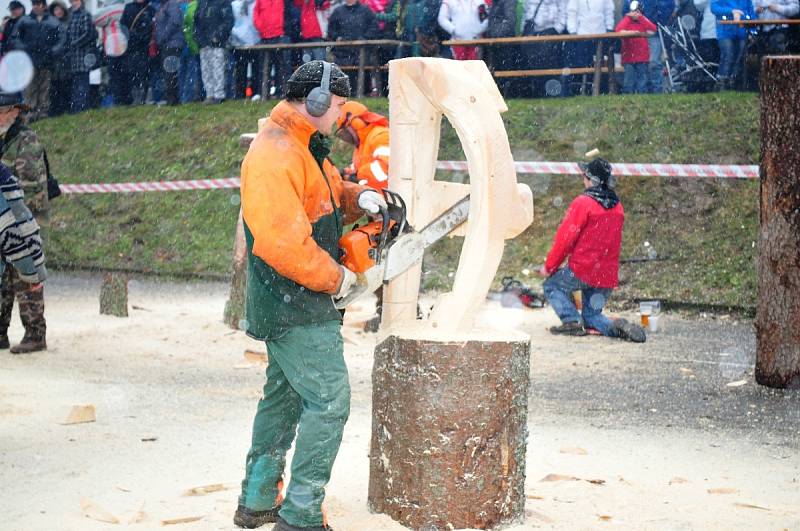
(30, 343)
(628, 331)
(248, 519)
(283, 526)
(4, 344)
(572, 328)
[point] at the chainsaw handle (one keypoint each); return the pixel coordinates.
(384, 213)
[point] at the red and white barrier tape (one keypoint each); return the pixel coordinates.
(158, 186)
(655, 170)
(546, 168)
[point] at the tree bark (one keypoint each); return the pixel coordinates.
(114, 295)
(234, 308)
(449, 430)
(778, 313)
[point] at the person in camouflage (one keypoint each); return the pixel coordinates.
(23, 154)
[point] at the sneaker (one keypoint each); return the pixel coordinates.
(569, 329)
(283, 526)
(248, 519)
(29, 344)
(628, 331)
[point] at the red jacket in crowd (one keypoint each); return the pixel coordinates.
(591, 236)
(268, 18)
(309, 23)
(635, 50)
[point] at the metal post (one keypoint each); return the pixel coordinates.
(265, 75)
(598, 64)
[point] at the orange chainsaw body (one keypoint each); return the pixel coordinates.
(360, 246)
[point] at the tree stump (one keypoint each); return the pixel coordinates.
(114, 295)
(234, 307)
(778, 313)
(449, 431)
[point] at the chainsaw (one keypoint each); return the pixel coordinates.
(382, 250)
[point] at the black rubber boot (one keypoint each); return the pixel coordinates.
(30, 343)
(629, 331)
(569, 329)
(283, 526)
(248, 519)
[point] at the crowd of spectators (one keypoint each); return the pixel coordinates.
(178, 51)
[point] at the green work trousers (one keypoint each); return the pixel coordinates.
(307, 392)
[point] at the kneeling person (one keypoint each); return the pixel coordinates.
(591, 236)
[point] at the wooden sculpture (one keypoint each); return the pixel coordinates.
(449, 419)
(421, 92)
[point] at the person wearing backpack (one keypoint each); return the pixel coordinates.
(213, 22)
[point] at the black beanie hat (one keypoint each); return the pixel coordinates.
(15, 4)
(599, 172)
(309, 76)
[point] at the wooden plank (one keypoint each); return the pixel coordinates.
(528, 39)
(550, 72)
(324, 44)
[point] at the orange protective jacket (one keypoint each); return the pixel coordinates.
(294, 206)
(371, 157)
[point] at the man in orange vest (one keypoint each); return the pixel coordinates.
(369, 133)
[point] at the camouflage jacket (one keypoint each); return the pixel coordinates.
(23, 154)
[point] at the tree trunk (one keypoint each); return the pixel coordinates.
(114, 295)
(449, 430)
(234, 308)
(778, 314)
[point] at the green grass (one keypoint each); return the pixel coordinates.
(702, 229)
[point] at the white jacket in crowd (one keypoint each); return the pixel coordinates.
(549, 14)
(244, 33)
(785, 9)
(587, 17)
(460, 18)
(708, 29)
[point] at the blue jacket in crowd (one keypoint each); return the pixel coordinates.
(723, 10)
(656, 11)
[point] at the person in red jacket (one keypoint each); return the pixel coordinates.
(274, 20)
(590, 235)
(636, 50)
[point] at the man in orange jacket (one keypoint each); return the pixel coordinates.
(294, 205)
(368, 132)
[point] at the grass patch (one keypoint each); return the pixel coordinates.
(702, 230)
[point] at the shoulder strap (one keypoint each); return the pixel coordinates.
(536, 12)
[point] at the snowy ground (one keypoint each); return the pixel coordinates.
(675, 445)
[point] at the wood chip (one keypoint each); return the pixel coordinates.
(123, 489)
(558, 477)
(534, 497)
(138, 517)
(205, 489)
(90, 509)
(678, 480)
(574, 451)
(686, 370)
(596, 481)
(182, 520)
(255, 356)
(604, 517)
(80, 414)
(750, 506)
(723, 490)
(737, 383)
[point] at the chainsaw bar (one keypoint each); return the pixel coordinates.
(406, 251)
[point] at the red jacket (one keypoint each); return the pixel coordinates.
(268, 16)
(309, 23)
(635, 50)
(591, 236)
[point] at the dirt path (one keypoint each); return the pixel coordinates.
(675, 446)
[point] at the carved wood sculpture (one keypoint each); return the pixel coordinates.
(421, 92)
(449, 420)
